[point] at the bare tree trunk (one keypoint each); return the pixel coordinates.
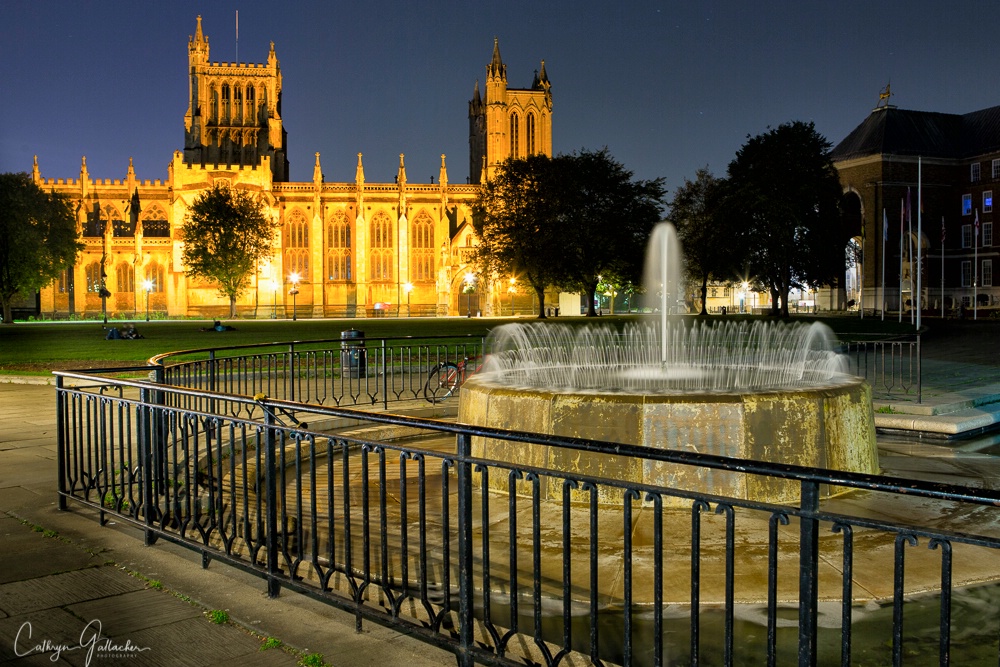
(540, 291)
(704, 294)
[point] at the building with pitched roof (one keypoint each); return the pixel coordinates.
(920, 184)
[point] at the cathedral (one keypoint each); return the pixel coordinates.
(353, 249)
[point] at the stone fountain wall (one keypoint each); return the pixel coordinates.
(823, 427)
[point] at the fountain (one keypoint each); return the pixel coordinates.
(764, 391)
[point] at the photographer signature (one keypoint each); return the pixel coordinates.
(90, 641)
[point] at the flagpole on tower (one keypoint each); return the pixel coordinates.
(237, 36)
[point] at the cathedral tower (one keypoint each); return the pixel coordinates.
(508, 122)
(234, 112)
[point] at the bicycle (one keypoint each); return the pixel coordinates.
(446, 377)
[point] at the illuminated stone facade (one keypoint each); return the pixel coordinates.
(358, 249)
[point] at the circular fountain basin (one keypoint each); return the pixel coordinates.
(829, 425)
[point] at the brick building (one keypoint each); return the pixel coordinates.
(954, 163)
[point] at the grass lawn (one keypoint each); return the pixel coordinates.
(39, 347)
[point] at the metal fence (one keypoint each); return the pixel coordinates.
(347, 371)
(408, 523)
(891, 367)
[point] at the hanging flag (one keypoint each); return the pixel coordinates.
(977, 226)
(909, 212)
(942, 230)
(885, 227)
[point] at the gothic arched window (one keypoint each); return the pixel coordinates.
(94, 277)
(338, 247)
(238, 104)
(156, 276)
(296, 244)
(529, 133)
(514, 135)
(381, 248)
(124, 278)
(225, 102)
(251, 114)
(422, 248)
(213, 95)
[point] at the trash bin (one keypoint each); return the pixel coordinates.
(353, 355)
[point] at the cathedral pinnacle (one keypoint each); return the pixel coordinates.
(496, 68)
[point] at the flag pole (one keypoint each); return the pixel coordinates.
(902, 217)
(237, 36)
(942, 267)
(861, 276)
(885, 236)
(920, 236)
(909, 246)
(975, 270)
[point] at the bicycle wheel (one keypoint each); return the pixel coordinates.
(442, 382)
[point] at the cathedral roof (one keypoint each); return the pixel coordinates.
(892, 131)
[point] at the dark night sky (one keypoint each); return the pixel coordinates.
(667, 86)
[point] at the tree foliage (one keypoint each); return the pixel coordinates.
(704, 231)
(516, 218)
(226, 233)
(606, 217)
(571, 220)
(785, 194)
(38, 238)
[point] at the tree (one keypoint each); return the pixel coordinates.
(785, 193)
(517, 221)
(570, 220)
(38, 238)
(226, 233)
(704, 231)
(606, 219)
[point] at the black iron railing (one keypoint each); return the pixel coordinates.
(343, 371)
(408, 523)
(891, 367)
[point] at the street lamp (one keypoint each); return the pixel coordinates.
(147, 285)
(295, 290)
(470, 278)
(408, 287)
(511, 290)
(274, 299)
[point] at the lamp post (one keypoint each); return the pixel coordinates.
(295, 290)
(470, 278)
(511, 290)
(274, 299)
(147, 285)
(408, 287)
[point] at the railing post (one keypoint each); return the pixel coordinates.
(271, 504)
(465, 575)
(291, 372)
(920, 375)
(149, 499)
(808, 572)
(385, 377)
(62, 442)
